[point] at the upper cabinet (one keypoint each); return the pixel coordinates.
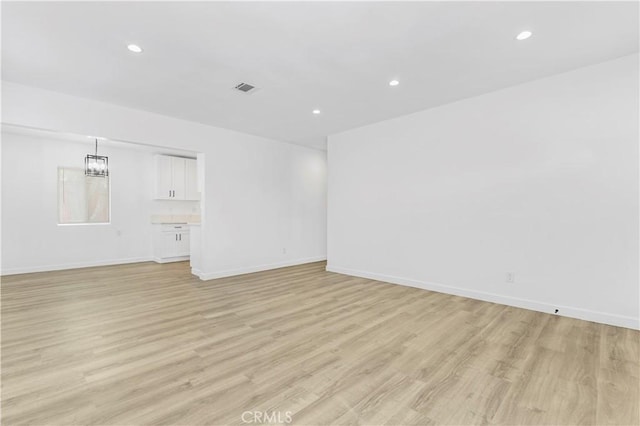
(191, 180)
(176, 178)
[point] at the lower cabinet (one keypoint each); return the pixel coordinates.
(171, 243)
(195, 255)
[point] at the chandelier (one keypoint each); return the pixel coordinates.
(96, 165)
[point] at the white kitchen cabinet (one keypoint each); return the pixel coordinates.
(194, 253)
(176, 178)
(191, 180)
(164, 177)
(171, 243)
(178, 170)
(184, 246)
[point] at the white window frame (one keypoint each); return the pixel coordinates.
(59, 195)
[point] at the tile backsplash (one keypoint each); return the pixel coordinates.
(175, 207)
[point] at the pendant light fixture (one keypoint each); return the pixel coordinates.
(96, 165)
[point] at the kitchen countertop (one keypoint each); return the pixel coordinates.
(191, 219)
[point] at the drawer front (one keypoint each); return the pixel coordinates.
(175, 227)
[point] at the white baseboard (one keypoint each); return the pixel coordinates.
(232, 272)
(170, 259)
(567, 311)
(47, 268)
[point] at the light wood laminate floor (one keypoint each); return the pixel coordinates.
(150, 344)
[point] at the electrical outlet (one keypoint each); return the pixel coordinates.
(511, 277)
(284, 250)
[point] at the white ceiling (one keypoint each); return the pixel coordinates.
(335, 56)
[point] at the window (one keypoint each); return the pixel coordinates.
(82, 199)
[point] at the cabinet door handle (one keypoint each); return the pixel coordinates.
(180, 237)
(169, 193)
(176, 237)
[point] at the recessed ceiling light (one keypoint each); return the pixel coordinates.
(134, 48)
(394, 83)
(316, 111)
(524, 35)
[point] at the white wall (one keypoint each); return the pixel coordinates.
(32, 240)
(540, 179)
(274, 208)
(258, 192)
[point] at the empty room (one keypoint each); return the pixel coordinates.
(320, 213)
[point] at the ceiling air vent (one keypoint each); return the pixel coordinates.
(245, 87)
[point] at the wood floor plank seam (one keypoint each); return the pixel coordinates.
(150, 344)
